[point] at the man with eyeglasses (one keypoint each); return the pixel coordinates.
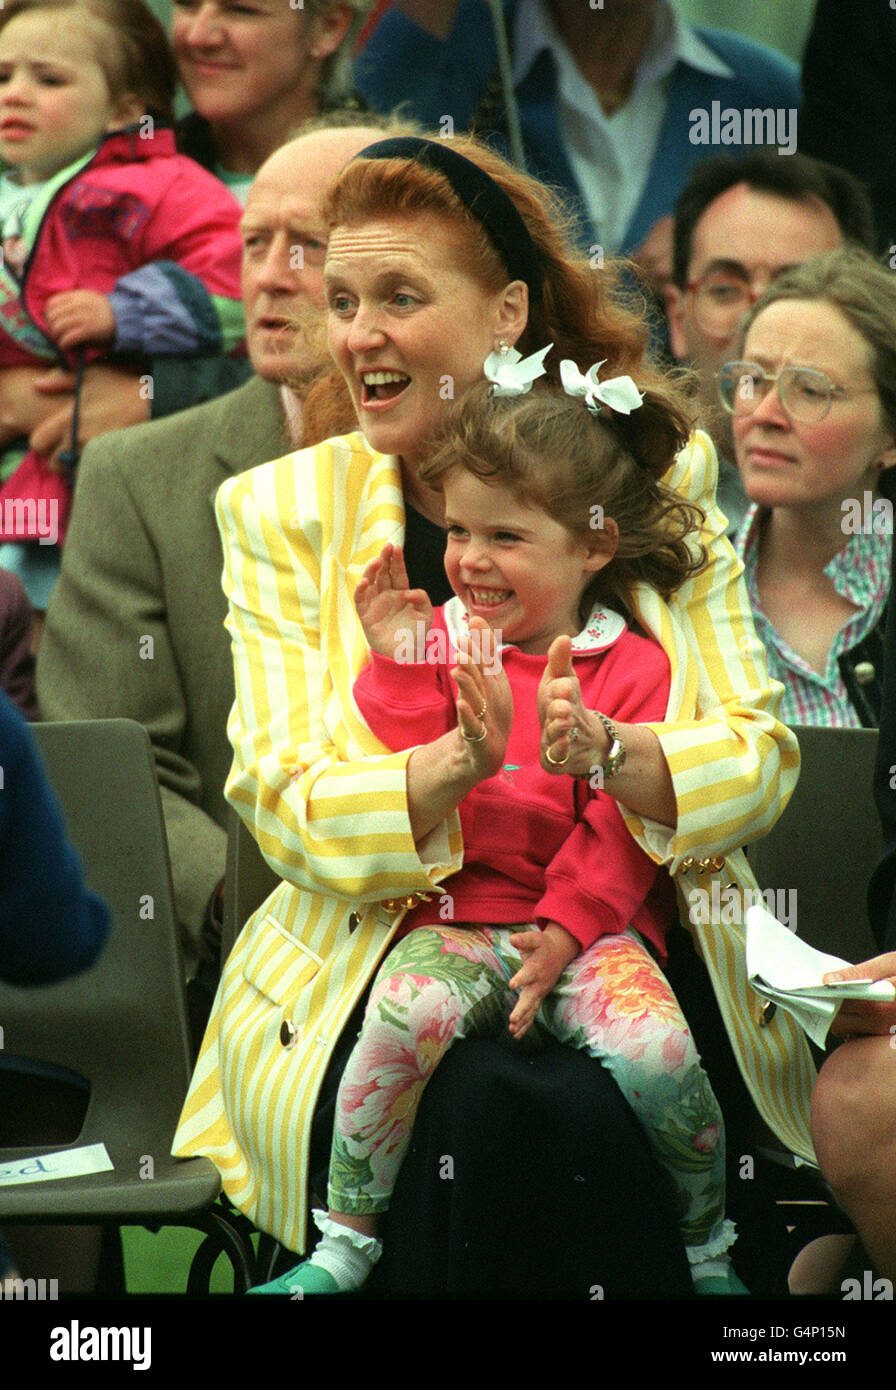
(738, 224)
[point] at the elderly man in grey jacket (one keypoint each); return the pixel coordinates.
(135, 625)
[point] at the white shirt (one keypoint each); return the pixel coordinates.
(611, 156)
(15, 200)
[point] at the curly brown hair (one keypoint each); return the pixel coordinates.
(583, 469)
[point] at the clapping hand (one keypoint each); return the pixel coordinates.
(570, 734)
(484, 702)
(388, 608)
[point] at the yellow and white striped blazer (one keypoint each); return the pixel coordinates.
(327, 804)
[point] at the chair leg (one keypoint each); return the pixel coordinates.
(223, 1237)
(110, 1279)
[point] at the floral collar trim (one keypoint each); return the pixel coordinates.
(604, 627)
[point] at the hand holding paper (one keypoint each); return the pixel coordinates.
(789, 972)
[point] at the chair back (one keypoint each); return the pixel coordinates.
(819, 856)
(248, 880)
(120, 1025)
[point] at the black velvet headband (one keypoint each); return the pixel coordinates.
(480, 195)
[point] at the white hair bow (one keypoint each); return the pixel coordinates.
(511, 374)
(619, 393)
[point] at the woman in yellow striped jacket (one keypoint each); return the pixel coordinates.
(439, 254)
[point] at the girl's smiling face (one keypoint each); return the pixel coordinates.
(409, 327)
(513, 565)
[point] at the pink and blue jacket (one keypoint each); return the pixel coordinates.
(149, 228)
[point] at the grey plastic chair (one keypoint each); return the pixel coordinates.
(104, 1057)
(822, 852)
(827, 842)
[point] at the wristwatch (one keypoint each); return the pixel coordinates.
(615, 759)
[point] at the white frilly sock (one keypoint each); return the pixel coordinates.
(712, 1259)
(346, 1254)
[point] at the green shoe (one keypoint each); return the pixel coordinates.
(714, 1285)
(304, 1278)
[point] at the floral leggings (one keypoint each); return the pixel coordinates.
(441, 984)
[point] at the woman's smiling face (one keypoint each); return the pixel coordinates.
(239, 60)
(409, 327)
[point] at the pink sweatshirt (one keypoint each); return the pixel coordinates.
(537, 847)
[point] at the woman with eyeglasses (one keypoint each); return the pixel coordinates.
(813, 405)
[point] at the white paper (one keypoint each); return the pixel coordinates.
(788, 971)
(68, 1163)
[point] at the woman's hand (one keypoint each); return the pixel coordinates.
(547, 953)
(22, 406)
(860, 1016)
(485, 701)
(440, 774)
(111, 397)
(388, 608)
(576, 740)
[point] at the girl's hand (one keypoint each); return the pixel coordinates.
(863, 1016)
(484, 702)
(547, 953)
(80, 316)
(574, 737)
(388, 608)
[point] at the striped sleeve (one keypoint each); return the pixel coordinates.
(733, 764)
(326, 803)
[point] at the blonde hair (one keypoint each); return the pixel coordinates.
(336, 70)
(137, 62)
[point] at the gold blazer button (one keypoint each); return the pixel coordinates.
(289, 1033)
(865, 672)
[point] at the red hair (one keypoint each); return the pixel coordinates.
(583, 310)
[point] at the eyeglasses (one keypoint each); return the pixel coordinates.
(804, 392)
(720, 299)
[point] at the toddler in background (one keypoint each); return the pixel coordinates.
(112, 241)
(557, 917)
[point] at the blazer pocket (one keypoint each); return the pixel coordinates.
(277, 964)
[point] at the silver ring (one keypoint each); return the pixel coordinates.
(475, 738)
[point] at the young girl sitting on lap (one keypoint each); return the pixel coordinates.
(558, 917)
